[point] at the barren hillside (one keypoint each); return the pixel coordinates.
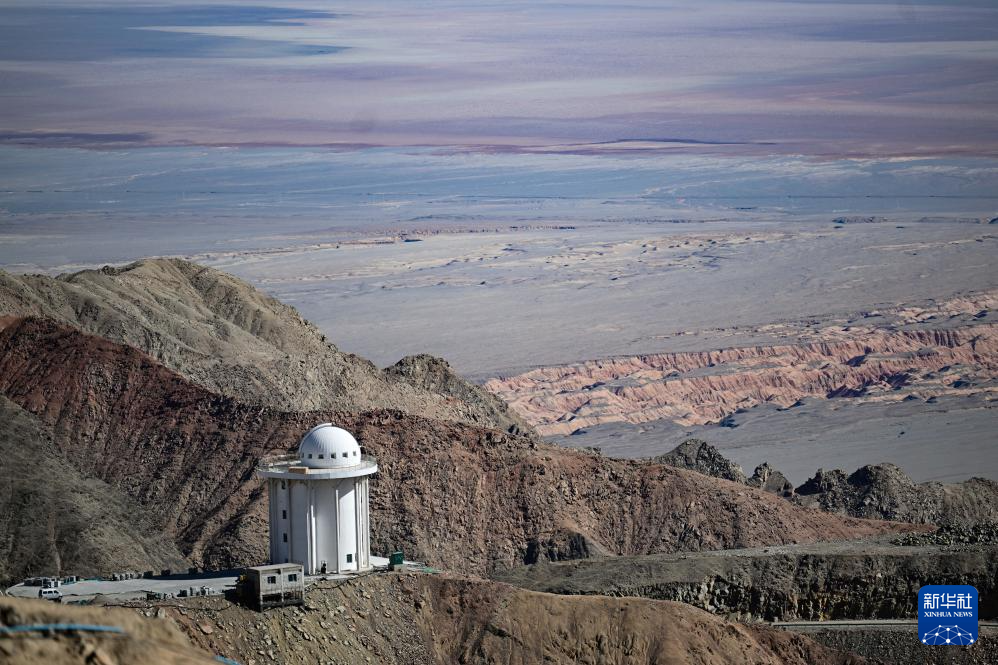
(412, 619)
(55, 518)
(138, 640)
(462, 497)
(225, 335)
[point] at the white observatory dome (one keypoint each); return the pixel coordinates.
(327, 447)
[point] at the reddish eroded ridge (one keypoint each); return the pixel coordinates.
(456, 495)
(696, 388)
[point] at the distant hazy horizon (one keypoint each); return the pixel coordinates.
(63, 209)
(794, 77)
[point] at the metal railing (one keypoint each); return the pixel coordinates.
(273, 460)
(295, 460)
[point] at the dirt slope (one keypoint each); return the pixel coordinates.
(142, 640)
(55, 520)
(223, 334)
(463, 497)
(425, 619)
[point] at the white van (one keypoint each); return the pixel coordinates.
(50, 594)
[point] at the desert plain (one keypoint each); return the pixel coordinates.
(819, 330)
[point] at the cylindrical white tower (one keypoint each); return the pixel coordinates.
(319, 503)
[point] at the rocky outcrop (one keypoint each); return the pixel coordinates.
(809, 582)
(877, 491)
(564, 545)
(697, 388)
(230, 338)
(883, 491)
(434, 375)
(955, 536)
(461, 497)
(698, 455)
(770, 480)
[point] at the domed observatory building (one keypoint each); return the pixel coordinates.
(319, 508)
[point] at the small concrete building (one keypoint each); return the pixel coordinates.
(275, 585)
(319, 512)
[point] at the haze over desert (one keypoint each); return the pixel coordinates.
(658, 332)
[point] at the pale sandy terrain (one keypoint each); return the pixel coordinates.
(632, 334)
(947, 440)
(549, 307)
(495, 303)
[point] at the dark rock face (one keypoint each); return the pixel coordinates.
(809, 583)
(958, 536)
(897, 646)
(770, 480)
(883, 491)
(698, 455)
(876, 491)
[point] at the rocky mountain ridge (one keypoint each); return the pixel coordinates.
(459, 496)
(876, 491)
(230, 338)
(698, 455)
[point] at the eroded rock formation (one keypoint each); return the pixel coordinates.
(770, 480)
(696, 388)
(875, 491)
